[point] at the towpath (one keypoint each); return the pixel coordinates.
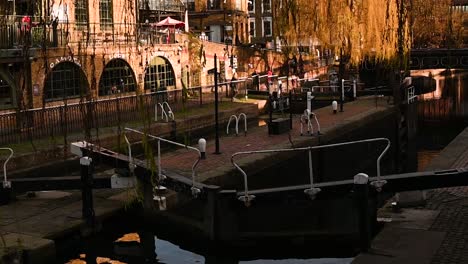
(433, 233)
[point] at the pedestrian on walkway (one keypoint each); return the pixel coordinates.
(233, 83)
(255, 80)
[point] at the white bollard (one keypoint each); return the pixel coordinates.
(309, 101)
(335, 106)
(202, 147)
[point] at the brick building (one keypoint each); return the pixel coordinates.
(70, 50)
(222, 21)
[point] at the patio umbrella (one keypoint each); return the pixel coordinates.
(170, 22)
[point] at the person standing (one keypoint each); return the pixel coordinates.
(233, 83)
(280, 87)
(255, 80)
(25, 29)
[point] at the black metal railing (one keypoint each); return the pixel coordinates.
(56, 121)
(39, 33)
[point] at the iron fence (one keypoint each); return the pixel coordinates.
(24, 125)
(39, 33)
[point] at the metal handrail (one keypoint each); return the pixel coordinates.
(245, 123)
(6, 183)
(170, 114)
(322, 87)
(306, 118)
(195, 190)
(237, 123)
(229, 123)
(131, 165)
(312, 191)
(163, 112)
(411, 94)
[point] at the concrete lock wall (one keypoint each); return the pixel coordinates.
(296, 214)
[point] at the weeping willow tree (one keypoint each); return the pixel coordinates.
(355, 29)
(437, 24)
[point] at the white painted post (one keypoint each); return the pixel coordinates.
(335, 106)
(202, 147)
(354, 89)
(309, 101)
(361, 196)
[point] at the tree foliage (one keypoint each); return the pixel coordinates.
(354, 28)
(436, 24)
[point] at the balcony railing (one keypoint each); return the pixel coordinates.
(15, 34)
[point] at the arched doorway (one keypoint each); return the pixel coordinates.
(159, 75)
(117, 77)
(66, 80)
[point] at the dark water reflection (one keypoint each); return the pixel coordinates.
(448, 100)
(133, 251)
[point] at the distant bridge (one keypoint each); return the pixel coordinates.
(439, 59)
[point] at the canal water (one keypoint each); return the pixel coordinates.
(442, 110)
(126, 241)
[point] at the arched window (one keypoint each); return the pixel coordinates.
(159, 75)
(66, 80)
(117, 77)
(6, 95)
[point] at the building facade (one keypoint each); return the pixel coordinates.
(56, 51)
(261, 22)
(221, 21)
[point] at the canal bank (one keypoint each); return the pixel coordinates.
(31, 225)
(431, 233)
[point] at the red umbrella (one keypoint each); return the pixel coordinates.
(170, 22)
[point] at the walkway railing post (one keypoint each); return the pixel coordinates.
(87, 189)
(270, 113)
(361, 196)
(201, 96)
(290, 111)
(354, 89)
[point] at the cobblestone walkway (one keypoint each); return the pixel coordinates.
(453, 206)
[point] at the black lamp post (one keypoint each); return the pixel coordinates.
(216, 106)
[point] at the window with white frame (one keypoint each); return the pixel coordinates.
(266, 5)
(105, 14)
(81, 13)
(251, 5)
(213, 4)
(252, 27)
(267, 32)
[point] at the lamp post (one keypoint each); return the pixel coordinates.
(216, 106)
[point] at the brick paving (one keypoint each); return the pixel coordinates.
(453, 206)
(257, 138)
